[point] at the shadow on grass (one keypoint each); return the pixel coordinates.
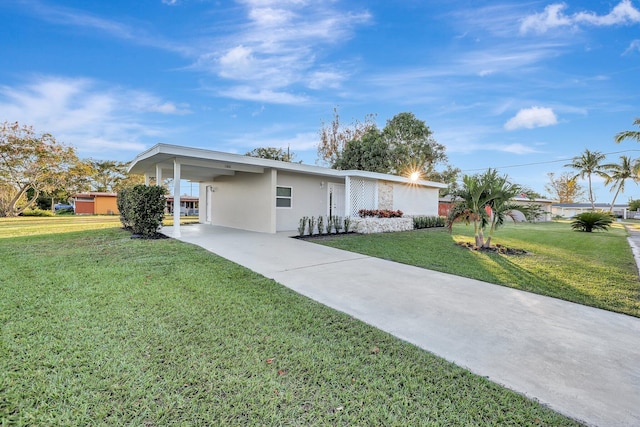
(589, 270)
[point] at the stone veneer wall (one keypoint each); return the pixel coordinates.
(385, 195)
(380, 225)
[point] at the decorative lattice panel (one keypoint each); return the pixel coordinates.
(363, 195)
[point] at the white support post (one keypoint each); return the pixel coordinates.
(176, 198)
(146, 179)
(347, 197)
(158, 175)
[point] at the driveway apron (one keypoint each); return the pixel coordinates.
(580, 361)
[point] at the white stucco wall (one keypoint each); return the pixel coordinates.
(309, 198)
(245, 200)
(415, 200)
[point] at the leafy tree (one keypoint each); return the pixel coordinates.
(634, 205)
(106, 175)
(617, 174)
(587, 164)
(335, 136)
(30, 161)
(629, 134)
(564, 188)
(131, 180)
(404, 146)
(369, 153)
(484, 200)
(411, 145)
(272, 153)
(447, 176)
(589, 221)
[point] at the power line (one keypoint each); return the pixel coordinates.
(539, 163)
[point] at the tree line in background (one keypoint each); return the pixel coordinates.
(38, 171)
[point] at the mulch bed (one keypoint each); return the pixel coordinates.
(325, 236)
(498, 249)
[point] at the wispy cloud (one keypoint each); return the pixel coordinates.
(278, 48)
(251, 93)
(554, 16)
(87, 115)
(530, 118)
(633, 46)
(66, 16)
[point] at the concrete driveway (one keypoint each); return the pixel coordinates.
(580, 361)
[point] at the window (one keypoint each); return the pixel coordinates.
(283, 197)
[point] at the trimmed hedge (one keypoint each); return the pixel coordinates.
(428, 222)
(142, 209)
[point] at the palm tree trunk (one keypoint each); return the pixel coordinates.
(593, 205)
(613, 202)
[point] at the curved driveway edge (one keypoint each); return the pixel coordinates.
(580, 361)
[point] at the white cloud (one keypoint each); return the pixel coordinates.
(553, 16)
(249, 93)
(280, 46)
(634, 45)
(515, 149)
(622, 13)
(532, 118)
(83, 113)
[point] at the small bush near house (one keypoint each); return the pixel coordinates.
(589, 221)
(36, 212)
(428, 222)
(379, 213)
(337, 224)
(302, 225)
(142, 209)
(347, 224)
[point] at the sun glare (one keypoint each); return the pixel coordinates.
(414, 176)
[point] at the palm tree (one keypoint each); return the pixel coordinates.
(479, 192)
(588, 164)
(629, 134)
(470, 206)
(502, 205)
(618, 173)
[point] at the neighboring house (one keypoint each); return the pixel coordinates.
(269, 195)
(95, 203)
(544, 204)
(445, 204)
(188, 205)
(569, 210)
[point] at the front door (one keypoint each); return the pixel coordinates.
(336, 199)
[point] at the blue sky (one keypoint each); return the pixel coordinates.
(500, 83)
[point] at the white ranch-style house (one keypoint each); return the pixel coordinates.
(270, 196)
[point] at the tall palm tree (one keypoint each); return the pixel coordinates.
(629, 134)
(588, 164)
(618, 173)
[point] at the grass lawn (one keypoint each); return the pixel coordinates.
(596, 269)
(100, 329)
(30, 226)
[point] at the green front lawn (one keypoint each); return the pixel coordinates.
(596, 269)
(100, 329)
